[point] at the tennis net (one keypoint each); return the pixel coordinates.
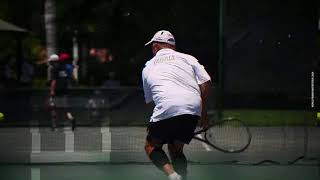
(114, 131)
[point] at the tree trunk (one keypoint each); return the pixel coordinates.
(75, 56)
(50, 26)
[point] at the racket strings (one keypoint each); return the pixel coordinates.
(230, 135)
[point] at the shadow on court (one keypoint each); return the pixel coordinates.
(147, 171)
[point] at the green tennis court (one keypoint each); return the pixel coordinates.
(117, 153)
(147, 171)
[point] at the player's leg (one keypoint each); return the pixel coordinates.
(53, 112)
(157, 135)
(179, 160)
(69, 114)
(186, 124)
(158, 157)
(53, 119)
(67, 109)
(71, 119)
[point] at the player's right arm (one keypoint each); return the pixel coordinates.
(204, 81)
(146, 88)
(204, 89)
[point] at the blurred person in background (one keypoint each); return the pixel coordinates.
(101, 74)
(61, 75)
(101, 67)
(27, 73)
(2, 79)
(10, 74)
(111, 81)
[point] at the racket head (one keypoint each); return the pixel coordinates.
(230, 135)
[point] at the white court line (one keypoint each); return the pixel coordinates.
(69, 140)
(106, 139)
(35, 174)
(206, 146)
(35, 140)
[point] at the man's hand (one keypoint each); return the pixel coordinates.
(204, 88)
(204, 121)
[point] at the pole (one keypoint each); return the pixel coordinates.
(220, 64)
(19, 56)
(50, 27)
(75, 56)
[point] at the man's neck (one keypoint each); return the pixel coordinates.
(165, 49)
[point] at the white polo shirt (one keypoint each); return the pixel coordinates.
(171, 80)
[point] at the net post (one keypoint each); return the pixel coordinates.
(306, 136)
(220, 64)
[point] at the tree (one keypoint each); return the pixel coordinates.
(50, 27)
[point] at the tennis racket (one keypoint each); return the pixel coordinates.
(229, 135)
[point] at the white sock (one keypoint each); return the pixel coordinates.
(174, 176)
(69, 115)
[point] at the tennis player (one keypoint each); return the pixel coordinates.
(178, 86)
(61, 73)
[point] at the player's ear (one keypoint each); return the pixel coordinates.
(154, 45)
(155, 48)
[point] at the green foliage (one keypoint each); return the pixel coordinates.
(3, 9)
(121, 25)
(7, 45)
(32, 46)
(25, 14)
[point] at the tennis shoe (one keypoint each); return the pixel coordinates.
(174, 176)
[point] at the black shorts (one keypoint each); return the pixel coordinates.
(61, 101)
(61, 92)
(175, 129)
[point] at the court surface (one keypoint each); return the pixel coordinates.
(147, 171)
(117, 153)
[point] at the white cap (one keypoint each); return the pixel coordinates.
(164, 37)
(53, 57)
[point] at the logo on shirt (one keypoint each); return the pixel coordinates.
(164, 59)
